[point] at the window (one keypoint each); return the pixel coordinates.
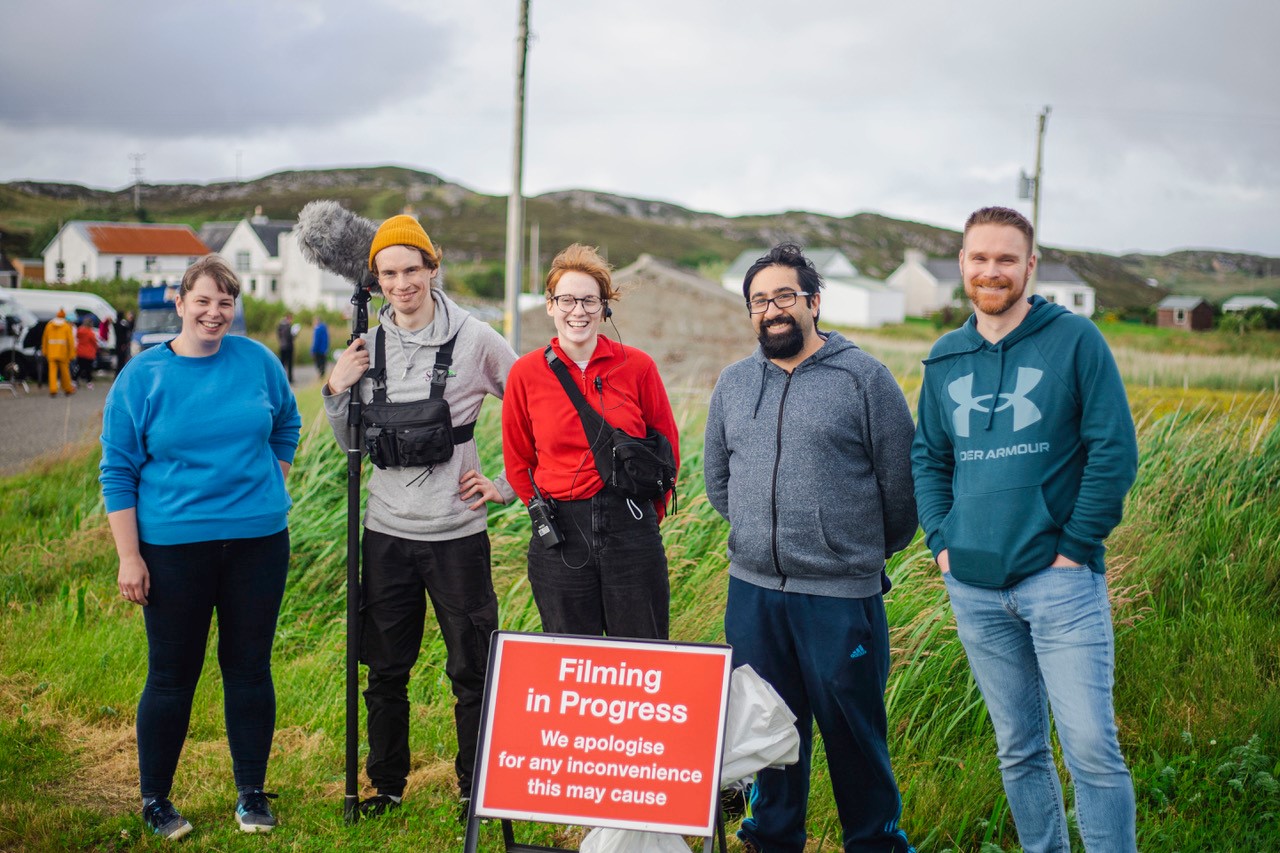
(1180, 316)
(253, 284)
(242, 261)
(273, 285)
(1077, 300)
(61, 270)
(119, 268)
(1050, 297)
(151, 264)
(84, 271)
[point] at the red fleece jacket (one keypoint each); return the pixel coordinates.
(541, 428)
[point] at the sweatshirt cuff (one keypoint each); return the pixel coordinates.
(1076, 550)
(935, 544)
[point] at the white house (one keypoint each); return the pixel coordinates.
(1057, 283)
(848, 297)
(149, 253)
(931, 284)
(265, 255)
(928, 285)
(1244, 303)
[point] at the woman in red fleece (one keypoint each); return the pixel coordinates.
(609, 576)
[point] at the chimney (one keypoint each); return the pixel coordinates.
(258, 218)
(913, 256)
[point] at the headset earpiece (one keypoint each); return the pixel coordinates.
(608, 312)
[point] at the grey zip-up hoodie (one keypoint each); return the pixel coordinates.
(812, 469)
(402, 501)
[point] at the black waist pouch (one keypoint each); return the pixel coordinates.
(419, 434)
(408, 435)
(644, 469)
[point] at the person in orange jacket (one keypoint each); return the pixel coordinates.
(58, 343)
(86, 349)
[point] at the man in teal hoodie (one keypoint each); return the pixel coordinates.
(1024, 451)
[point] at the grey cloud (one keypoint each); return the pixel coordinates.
(173, 68)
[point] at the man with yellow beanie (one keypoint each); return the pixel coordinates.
(58, 343)
(425, 526)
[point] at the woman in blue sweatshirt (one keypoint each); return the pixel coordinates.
(197, 437)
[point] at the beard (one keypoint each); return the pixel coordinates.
(994, 303)
(781, 344)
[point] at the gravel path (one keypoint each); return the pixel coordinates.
(35, 425)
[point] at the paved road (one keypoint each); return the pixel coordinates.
(33, 424)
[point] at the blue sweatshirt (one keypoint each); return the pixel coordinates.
(1024, 449)
(195, 443)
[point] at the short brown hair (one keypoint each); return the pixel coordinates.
(1002, 216)
(584, 259)
(217, 269)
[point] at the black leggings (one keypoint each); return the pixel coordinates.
(243, 580)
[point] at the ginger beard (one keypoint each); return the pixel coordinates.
(995, 295)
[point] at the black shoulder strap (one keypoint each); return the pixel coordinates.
(378, 370)
(439, 376)
(594, 426)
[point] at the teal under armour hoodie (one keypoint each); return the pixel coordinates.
(1024, 448)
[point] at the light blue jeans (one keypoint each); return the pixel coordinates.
(1047, 642)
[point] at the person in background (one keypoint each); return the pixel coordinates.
(807, 455)
(320, 345)
(86, 350)
(425, 527)
(285, 334)
(58, 343)
(198, 436)
(1024, 451)
(124, 340)
(609, 576)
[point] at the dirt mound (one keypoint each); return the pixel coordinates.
(692, 327)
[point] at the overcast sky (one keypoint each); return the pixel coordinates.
(1164, 134)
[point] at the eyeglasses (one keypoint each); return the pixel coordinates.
(565, 302)
(389, 276)
(759, 305)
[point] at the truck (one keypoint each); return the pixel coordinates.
(158, 321)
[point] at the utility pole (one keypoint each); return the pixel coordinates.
(515, 204)
(535, 267)
(1042, 120)
(137, 181)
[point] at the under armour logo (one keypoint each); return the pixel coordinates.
(1025, 412)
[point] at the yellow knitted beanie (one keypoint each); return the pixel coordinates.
(402, 230)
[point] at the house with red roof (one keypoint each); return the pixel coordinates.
(150, 253)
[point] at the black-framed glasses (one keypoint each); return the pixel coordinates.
(759, 305)
(565, 302)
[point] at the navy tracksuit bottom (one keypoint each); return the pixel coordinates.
(828, 658)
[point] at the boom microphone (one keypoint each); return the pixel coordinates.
(337, 240)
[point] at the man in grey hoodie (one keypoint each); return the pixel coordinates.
(808, 456)
(425, 527)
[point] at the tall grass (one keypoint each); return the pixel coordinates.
(1194, 578)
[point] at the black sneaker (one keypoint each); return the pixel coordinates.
(163, 819)
(253, 813)
(377, 806)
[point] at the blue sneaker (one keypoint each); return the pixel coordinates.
(163, 819)
(253, 813)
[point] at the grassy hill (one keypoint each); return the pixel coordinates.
(472, 228)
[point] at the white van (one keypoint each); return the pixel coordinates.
(45, 304)
(19, 346)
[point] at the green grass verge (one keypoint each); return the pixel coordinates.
(1194, 578)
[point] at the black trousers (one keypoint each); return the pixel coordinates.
(455, 575)
(242, 580)
(609, 577)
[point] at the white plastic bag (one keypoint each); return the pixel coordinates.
(760, 730)
(603, 840)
